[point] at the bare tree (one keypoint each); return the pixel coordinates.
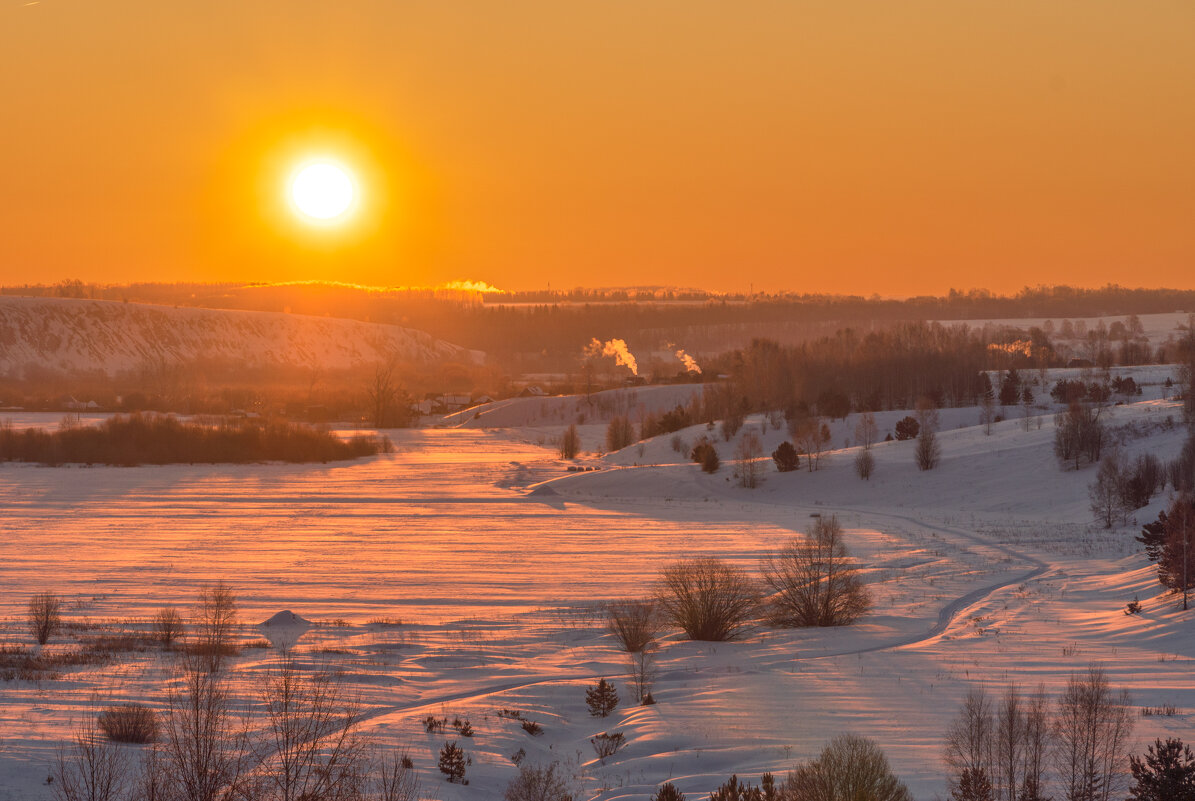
(633, 622)
(866, 431)
(928, 451)
(1091, 729)
(91, 768)
(395, 779)
(204, 751)
(311, 747)
(814, 580)
(970, 740)
(643, 671)
(848, 767)
(215, 623)
(1036, 747)
(1009, 750)
(387, 400)
(747, 453)
(45, 616)
(570, 443)
(812, 435)
(167, 625)
(1108, 489)
(707, 598)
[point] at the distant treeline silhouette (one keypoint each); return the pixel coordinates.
(138, 439)
(547, 330)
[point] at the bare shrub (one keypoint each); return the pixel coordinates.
(865, 463)
(45, 616)
(168, 625)
(814, 581)
(215, 623)
(633, 622)
(848, 767)
(619, 434)
(607, 744)
(1091, 730)
(204, 747)
(928, 452)
(91, 768)
(395, 779)
(570, 443)
(970, 740)
(643, 673)
(866, 431)
(707, 598)
(311, 746)
(535, 783)
(747, 454)
(129, 723)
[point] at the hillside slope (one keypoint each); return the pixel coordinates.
(69, 336)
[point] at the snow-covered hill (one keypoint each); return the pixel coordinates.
(69, 336)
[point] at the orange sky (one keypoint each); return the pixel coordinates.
(843, 146)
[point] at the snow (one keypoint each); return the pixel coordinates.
(465, 573)
(73, 336)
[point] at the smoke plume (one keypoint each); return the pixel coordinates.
(688, 361)
(616, 348)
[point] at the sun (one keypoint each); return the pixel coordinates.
(323, 191)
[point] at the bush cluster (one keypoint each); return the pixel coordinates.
(136, 439)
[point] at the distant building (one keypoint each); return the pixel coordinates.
(533, 392)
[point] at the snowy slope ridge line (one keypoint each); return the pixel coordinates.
(70, 336)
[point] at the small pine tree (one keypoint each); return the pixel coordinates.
(452, 762)
(786, 457)
(973, 785)
(601, 699)
(668, 792)
(1165, 773)
(1153, 537)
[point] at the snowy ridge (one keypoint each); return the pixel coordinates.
(70, 335)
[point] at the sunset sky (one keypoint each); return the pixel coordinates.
(841, 146)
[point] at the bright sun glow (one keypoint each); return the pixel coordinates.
(322, 191)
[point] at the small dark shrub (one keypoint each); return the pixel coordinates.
(532, 728)
(536, 783)
(129, 723)
(607, 744)
(45, 616)
(706, 455)
(518, 756)
(1133, 607)
(648, 700)
(907, 428)
(633, 622)
(167, 625)
(433, 725)
(463, 727)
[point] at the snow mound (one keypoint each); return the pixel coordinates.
(287, 619)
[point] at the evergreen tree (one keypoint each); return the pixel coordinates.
(1165, 773)
(452, 762)
(973, 785)
(1153, 537)
(601, 699)
(786, 457)
(668, 792)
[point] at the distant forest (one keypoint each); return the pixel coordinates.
(547, 331)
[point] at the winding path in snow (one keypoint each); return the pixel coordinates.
(946, 616)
